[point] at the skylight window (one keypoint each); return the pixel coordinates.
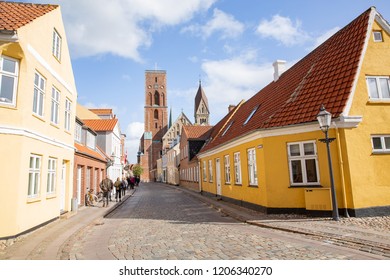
(227, 128)
(251, 115)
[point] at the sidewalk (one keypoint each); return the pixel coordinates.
(369, 234)
(49, 242)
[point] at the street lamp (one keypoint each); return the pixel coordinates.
(324, 119)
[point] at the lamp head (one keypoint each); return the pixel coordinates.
(324, 118)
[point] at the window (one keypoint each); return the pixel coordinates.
(237, 168)
(227, 169)
(378, 87)
(91, 140)
(230, 124)
(34, 176)
(39, 94)
(51, 175)
(378, 36)
(251, 114)
(303, 164)
(67, 114)
(381, 143)
(204, 171)
(77, 132)
(252, 167)
(55, 105)
(57, 45)
(8, 80)
(210, 171)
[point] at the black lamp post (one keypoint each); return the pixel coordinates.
(324, 119)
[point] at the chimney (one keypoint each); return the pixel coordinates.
(231, 107)
(279, 68)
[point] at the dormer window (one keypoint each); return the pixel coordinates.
(378, 36)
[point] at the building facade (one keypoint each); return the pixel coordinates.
(267, 154)
(89, 165)
(201, 109)
(37, 112)
(156, 123)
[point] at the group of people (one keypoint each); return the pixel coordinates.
(120, 186)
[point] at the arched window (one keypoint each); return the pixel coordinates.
(156, 114)
(150, 99)
(156, 98)
(163, 99)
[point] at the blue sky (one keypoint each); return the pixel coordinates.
(230, 45)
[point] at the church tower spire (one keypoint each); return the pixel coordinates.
(201, 110)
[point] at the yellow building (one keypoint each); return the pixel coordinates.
(37, 115)
(266, 154)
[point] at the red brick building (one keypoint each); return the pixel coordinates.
(90, 162)
(156, 122)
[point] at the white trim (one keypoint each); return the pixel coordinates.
(9, 37)
(342, 122)
(374, 16)
(47, 66)
(34, 135)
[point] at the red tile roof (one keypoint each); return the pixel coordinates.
(101, 124)
(197, 132)
(89, 152)
(101, 111)
(15, 15)
(325, 76)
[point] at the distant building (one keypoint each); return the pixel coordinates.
(155, 121)
(201, 110)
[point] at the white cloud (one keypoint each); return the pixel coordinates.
(231, 80)
(221, 22)
(284, 30)
(122, 27)
(133, 133)
(318, 41)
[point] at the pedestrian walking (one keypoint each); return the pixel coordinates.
(118, 189)
(124, 186)
(106, 187)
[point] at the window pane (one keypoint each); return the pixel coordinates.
(309, 148)
(9, 65)
(7, 89)
(387, 143)
(296, 171)
(30, 183)
(311, 171)
(32, 160)
(294, 150)
(372, 87)
(376, 143)
(384, 82)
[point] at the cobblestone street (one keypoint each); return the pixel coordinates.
(159, 222)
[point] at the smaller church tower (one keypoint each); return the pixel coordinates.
(201, 111)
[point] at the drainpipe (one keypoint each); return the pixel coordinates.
(341, 171)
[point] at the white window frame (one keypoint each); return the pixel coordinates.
(68, 114)
(227, 169)
(91, 140)
(378, 87)
(375, 37)
(34, 178)
(237, 169)
(384, 148)
(302, 158)
(55, 106)
(210, 171)
(57, 45)
(204, 171)
(39, 94)
(252, 167)
(51, 175)
(14, 75)
(77, 132)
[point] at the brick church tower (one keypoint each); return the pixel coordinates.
(156, 122)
